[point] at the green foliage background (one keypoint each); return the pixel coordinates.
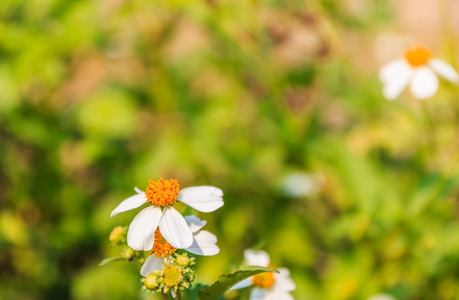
(96, 97)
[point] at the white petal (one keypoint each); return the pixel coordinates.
(444, 69)
(130, 203)
(392, 69)
(138, 191)
(284, 272)
(174, 229)
(256, 258)
(202, 198)
(141, 233)
(394, 85)
(204, 243)
(152, 263)
(424, 84)
(277, 294)
(283, 280)
(194, 223)
(243, 284)
(259, 293)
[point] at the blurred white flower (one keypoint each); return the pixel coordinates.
(204, 243)
(268, 285)
(162, 194)
(381, 297)
(299, 184)
(417, 69)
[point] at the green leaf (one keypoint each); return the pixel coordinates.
(110, 259)
(192, 294)
(225, 282)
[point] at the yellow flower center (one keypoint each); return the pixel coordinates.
(161, 247)
(162, 192)
(265, 280)
(418, 56)
(172, 276)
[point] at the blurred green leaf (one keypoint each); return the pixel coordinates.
(192, 294)
(111, 259)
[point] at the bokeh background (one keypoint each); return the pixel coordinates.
(276, 102)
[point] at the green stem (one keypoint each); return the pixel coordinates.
(165, 297)
(447, 25)
(431, 133)
(179, 295)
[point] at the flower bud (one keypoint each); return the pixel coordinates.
(128, 253)
(118, 235)
(182, 260)
(151, 282)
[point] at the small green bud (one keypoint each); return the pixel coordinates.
(151, 282)
(141, 260)
(128, 253)
(182, 260)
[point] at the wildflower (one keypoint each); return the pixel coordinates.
(416, 69)
(301, 184)
(162, 194)
(269, 285)
(171, 277)
(204, 243)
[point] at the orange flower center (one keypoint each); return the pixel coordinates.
(161, 247)
(265, 280)
(162, 192)
(418, 56)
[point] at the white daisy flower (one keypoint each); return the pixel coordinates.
(204, 243)
(268, 285)
(162, 194)
(416, 69)
(300, 184)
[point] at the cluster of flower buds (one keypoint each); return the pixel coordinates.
(177, 274)
(118, 237)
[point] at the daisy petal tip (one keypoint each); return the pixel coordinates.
(194, 223)
(202, 198)
(138, 191)
(393, 87)
(216, 191)
(444, 69)
(256, 258)
(130, 203)
(204, 243)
